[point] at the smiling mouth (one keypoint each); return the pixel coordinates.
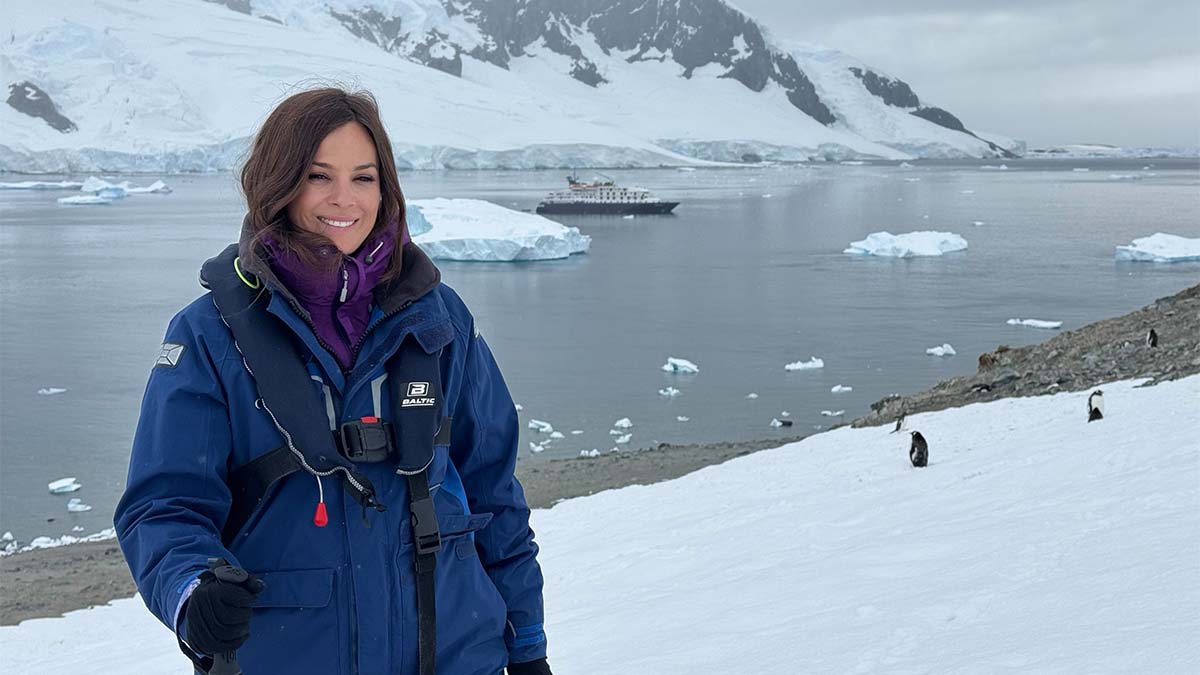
(337, 223)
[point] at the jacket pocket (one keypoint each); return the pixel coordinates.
(297, 625)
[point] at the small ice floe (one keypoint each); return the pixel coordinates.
(912, 180)
(977, 223)
(674, 365)
(1035, 323)
(42, 185)
(1081, 169)
(77, 528)
(840, 388)
(909, 244)
(576, 432)
(623, 423)
(1124, 176)
(76, 505)
(966, 192)
(519, 407)
(51, 391)
(84, 200)
(943, 350)
(628, 216)
(682, 418)
(905, 165)
(785, 414)
(556, 434)
(811, 364)
(993, 167)
(776, 423)
(752, 396)
(833, 413)
(541, 427)
(7, 537)
(63, 485)
(622, 440)
(851, 162)
(594, 452)
(767, 196)
(1161, 248)
(536, 448)
(669, 392)
(615, 432)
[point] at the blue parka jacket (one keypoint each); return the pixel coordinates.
(339, 598)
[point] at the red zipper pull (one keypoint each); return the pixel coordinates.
(320, 518)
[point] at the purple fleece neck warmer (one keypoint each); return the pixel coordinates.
(338, 301)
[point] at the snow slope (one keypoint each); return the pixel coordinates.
(1033, 542)
(180, 85)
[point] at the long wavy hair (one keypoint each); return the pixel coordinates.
(279, 160)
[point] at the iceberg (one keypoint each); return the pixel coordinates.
(1161, 248)
(1035, 323)
(910, 244)
(752, 396)
(669, 392)
(42, 185)
(810, 364)
(589, 453)
(776, 423)
(682, 418)
(556, 435)
(51, 391)
(833, 413)
(84, 200)
(840, 388)
(541, 427)
(474, 230)
(76, 505)
(674, 365)
(905, 165)
(623, 439)
(535, 448)
(576, 432)
(63, 485)
(623, 423)
(103, 188)
(944, 350)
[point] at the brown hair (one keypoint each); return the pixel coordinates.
(283, 150)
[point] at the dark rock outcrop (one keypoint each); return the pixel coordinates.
(28, 98)
(890, 91)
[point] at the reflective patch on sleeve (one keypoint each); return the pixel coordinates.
(169, 356)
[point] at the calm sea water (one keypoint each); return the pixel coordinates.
(746, 276)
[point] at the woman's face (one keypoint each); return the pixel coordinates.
(339, 195)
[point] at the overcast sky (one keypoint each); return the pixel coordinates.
(1046, 71)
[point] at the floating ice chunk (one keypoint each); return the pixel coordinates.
(157, 187)
(63, 485)
(839, 388)
(776, 423)
(84, 200)
(977, 223)
(912, 180)
(77, 528)
(967, 192)
(682, 418)
(993, 167)
(1035, 323)
(785, 414)
(669, 392)
(76, 505)
(944, 350)
(541, 427)
(556, 434)
(576, 432)
(905, 165)
(852, 162)
(1080, 169)
(622, 440)
(103, 188)
(676, 365)
(51, 391)
(615, 432)
(922, 243)
(42, 185)
(810, 364)
(1161, 248)
(594, 452)
(536, 448)
(8, 536)
(476, 230)
(1124, 176)
(688, 169)
(833, 413)
(623, 423)
(752, 395)
(628, 216)
(767, 196)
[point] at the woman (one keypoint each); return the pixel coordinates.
(322, 475)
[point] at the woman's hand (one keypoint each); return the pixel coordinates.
(219, 610)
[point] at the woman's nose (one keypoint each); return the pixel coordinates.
(342, 195)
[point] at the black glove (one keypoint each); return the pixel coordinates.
(539, 667)
(218, 612)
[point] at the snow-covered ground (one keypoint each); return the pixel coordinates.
(480, 231)
(1033, 542)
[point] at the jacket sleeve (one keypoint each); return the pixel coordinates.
(484, 449)
(169, 519)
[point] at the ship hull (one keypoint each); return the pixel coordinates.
(614, 209)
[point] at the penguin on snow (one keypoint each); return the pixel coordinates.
(918, 452)
(899, 423)
(1096, 406)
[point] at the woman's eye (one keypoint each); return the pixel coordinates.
(317, 176)
(366, 179)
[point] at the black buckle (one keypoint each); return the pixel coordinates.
(367, 440)
(425, 527)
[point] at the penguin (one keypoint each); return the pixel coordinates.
(919, 451)
(899, 423)
(981, 388)
(1096, 406)
(1152, 338)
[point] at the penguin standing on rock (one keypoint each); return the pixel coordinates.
(1096, 406)
(918, 452)
(1152, 338)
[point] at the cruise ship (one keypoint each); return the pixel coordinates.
(602, 196)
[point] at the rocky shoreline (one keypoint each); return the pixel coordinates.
(48, 582)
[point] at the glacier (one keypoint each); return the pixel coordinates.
(478, 231)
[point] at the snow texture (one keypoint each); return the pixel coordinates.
(910, 244)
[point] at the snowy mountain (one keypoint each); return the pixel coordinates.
(180, 85)
(1034, 541)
